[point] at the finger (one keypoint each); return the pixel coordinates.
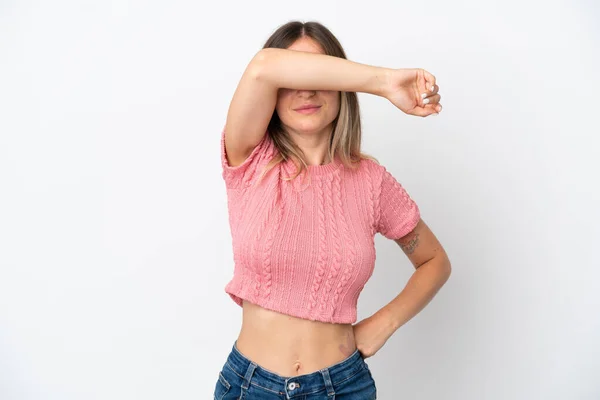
(429, 81)
(424, 111)
(435, 108)
(426, 94)
(432, 99)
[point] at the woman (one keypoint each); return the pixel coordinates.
(304, 206)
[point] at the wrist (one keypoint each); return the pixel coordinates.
(381, 81)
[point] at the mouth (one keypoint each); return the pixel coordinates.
(308, 109)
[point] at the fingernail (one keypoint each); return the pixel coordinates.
(426, 101)
(432, 87)
(423, 95)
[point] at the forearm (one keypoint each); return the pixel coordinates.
(310, 71)
(420, 289)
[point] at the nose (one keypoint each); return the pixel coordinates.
(306, 93)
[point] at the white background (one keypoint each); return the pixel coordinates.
(114, 242)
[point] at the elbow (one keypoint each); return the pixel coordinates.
(445, 264)
(446, 270)
(443, 267)
(258, 66)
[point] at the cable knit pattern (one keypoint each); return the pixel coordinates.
(350, 248)
(318, 276)
(333, 184)
(372, 196)
(307, 250)
(396, 211)
(268, 249)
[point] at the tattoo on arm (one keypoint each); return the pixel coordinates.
(409, 244)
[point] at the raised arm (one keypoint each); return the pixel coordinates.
(311, 71)
(255, 98)
(250, 111)
(412, 90)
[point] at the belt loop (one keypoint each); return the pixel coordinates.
(248, 375)
(328, 384)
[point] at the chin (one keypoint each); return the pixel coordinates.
(308, 128)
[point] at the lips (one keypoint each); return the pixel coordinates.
(307, 107)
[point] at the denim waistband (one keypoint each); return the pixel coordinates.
(324, 379)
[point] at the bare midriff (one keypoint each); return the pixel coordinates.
(290, 346)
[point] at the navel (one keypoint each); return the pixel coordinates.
(297, 366)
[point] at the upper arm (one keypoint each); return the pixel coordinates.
(249, 113)
(400, 220)
(421, 245)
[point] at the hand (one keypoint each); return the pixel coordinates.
(413, 91)
(371, 333)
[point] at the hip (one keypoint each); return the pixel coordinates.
(242, 378)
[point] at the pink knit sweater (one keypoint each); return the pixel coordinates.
(306, 249)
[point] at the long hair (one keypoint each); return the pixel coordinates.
(346, 134)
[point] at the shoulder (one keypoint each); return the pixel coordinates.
(371, 168)
(381, 176)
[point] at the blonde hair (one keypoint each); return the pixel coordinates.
(346, 135)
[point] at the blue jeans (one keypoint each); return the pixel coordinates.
(241, 378)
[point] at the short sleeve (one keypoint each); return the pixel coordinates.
(398, 212)
(245, 173)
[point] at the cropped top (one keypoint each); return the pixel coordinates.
(305, 247)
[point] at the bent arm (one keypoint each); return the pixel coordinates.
(311, 71)
(249, 113)
(254, 100)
